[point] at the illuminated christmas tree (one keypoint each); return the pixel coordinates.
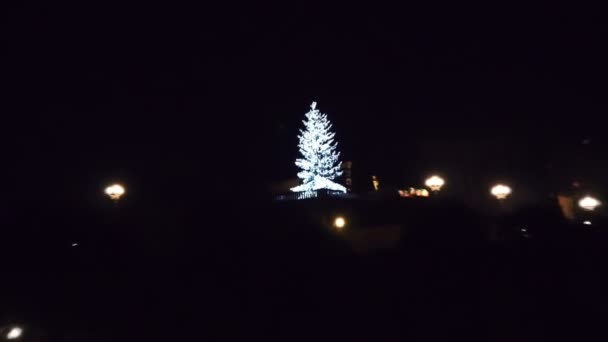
(320, 164)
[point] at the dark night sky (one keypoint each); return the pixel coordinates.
(195, 101)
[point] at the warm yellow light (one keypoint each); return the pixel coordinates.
(422, 193)
(14, 333)
(376, 183)
(500, 191)
(115, 191)
(339, 222)
(588, 203)
(434, 183)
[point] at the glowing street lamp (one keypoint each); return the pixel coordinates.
(434, 183)
(500, 191)
(339, 222)
(115, 191)
(588, 203)
(14, 333)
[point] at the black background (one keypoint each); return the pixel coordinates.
(170, 98)
(197, 107)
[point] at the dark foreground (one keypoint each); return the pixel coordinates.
(280, 272)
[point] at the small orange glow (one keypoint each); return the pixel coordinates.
(376, 183)
(422, 193)
(411, 192)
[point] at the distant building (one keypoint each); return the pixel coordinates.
(412, 192)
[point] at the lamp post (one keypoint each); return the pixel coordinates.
(588, 203)
(110, 235)
(115, 192)
(339, 222)
(434, 183)
(14, 333)
(500, 191)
